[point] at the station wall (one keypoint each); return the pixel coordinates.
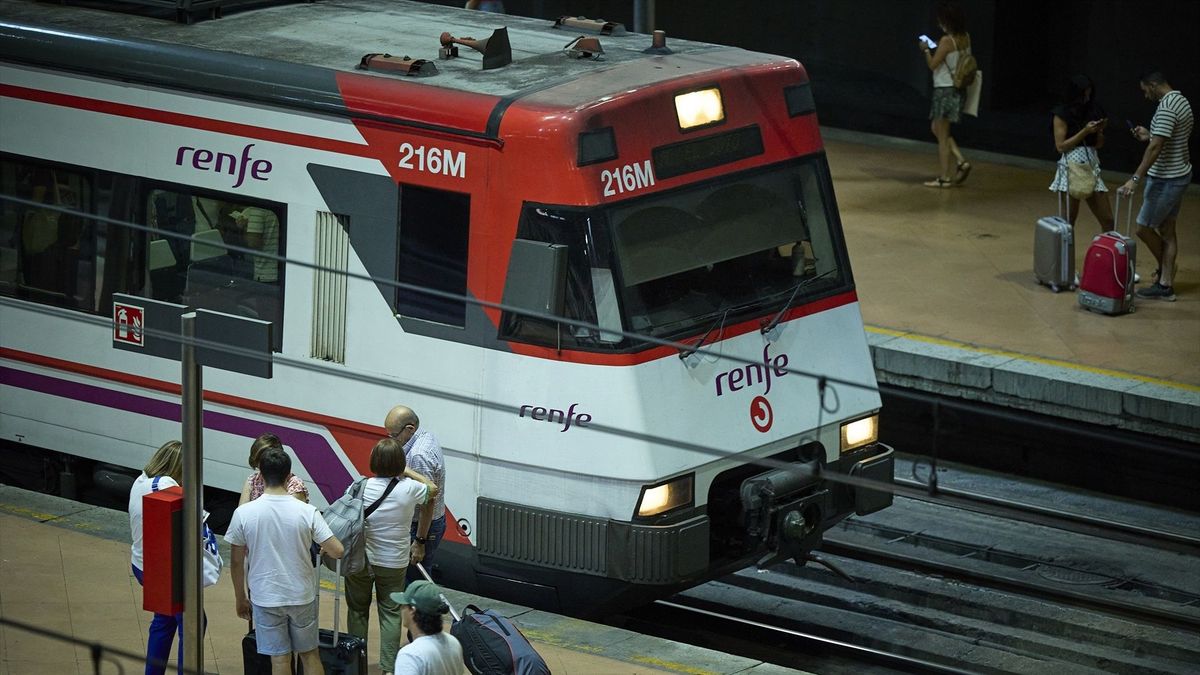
(868, 75)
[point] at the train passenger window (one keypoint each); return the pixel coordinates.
(47, 255)
(203, 272)
(433, 240)
(590, 293)
(727, 249)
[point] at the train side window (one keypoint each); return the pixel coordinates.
(202, 272)
(590, 293)
(432, 247)
(46, 255)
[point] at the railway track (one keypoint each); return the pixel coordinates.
(973, 580)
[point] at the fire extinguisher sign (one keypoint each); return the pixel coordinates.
(128, 324)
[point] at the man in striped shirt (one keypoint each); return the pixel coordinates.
(1167, 169)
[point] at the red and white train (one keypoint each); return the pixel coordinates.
(679, 193)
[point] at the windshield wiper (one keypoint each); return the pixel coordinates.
(769, 326)
(685, 353)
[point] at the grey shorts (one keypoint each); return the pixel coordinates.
(283, 630)
(1162, 199)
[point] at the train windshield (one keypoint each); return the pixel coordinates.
(722, 251)
(674, 265)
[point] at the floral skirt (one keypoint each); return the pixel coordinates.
(947, 104)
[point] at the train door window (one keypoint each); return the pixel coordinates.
(47, 255)
(203, 272)
(432, 252)
(590, 293)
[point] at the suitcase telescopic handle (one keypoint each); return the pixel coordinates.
(446, 600)
(337, 600)
(1128, 215)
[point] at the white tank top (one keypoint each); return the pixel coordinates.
(944, 75)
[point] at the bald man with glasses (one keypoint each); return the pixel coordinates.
(424, 456)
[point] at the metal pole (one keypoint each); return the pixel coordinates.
(193, 497)
(643, 16)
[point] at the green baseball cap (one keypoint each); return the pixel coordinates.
(423, 596)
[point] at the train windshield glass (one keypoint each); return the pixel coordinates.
(723, 251)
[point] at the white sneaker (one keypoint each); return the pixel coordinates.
(1137, 278)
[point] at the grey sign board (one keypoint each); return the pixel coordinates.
(146, 326)
(233, 343)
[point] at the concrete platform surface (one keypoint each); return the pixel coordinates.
(945, 282)
(64, 567)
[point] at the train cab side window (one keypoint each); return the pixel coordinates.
(202, 272)
(591, 295)
(432, 252)
(47, 255)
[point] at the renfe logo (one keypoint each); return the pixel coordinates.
(203, 160)
(556, 416)
(754, 373)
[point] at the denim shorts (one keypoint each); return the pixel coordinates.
(282, 630)
(1162, 199)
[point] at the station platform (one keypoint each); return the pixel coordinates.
(64, 567)
(945, 281)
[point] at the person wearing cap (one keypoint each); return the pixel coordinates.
(431, 650)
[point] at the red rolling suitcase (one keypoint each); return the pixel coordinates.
(1107, 282)
(341, 653)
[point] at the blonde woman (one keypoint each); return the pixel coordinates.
(164, 470)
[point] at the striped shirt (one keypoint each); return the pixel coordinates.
(261, 221)
(1173, 121)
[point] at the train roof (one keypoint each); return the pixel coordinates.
(284, 53)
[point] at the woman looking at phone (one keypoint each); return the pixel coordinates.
(947, 100)
(1079, 124)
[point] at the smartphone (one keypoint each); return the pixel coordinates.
(927, 40)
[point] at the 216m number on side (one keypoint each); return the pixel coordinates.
(628, 178)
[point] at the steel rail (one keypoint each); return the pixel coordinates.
(1070, 521)
(1128, 610)
(845, 648)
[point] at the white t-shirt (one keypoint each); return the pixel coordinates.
(439, 654)
(143, 486)
(277, 531)
(387, 530)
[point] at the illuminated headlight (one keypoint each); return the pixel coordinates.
(860, 432)
(699, 108)
(665, 497)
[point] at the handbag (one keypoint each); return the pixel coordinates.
(212, 564)
(1081, 179)
(971, 97)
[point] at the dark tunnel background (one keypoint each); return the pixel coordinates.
(867, 74)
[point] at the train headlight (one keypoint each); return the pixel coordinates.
(668, 496)
(699, 108)
(860, 432)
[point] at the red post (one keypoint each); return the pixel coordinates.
(162, 551)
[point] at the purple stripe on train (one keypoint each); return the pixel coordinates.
(313, 451)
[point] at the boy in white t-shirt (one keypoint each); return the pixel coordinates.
(275, 531)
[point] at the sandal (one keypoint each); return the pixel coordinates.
(964, 170)
(939, 183)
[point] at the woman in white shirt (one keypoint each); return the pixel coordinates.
(947, 100)
(164, 470)
(394, 499)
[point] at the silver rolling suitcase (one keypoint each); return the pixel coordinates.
(1054, 248)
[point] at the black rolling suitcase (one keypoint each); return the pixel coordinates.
(491, 644)
(341, 653)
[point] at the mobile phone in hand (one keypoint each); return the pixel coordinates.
(928, 41)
